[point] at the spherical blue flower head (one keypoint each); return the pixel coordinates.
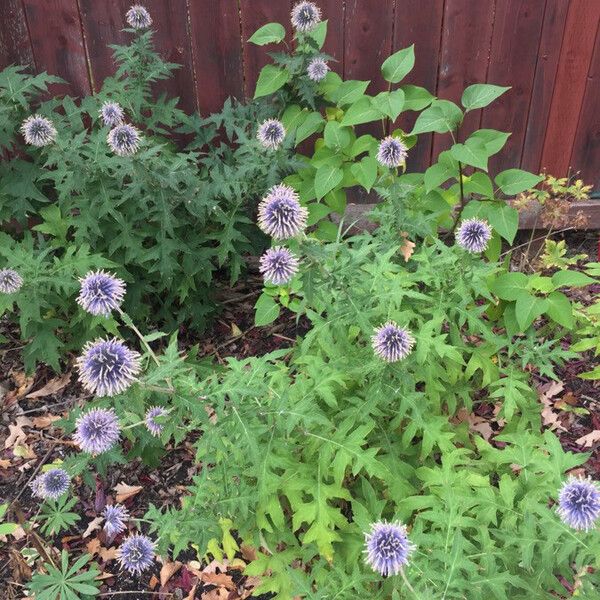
(10, 281)
(271, 134)
(317, 69)
(392, 152)
(473, 235)
(153, 426)
(115, 519)
(136, 553)
(278, 265)
(38, 131)
(391, 342)
(305, 16)
(387, 548)
(97, 430)
(108, 367)
(101, 293)
(579, 503)
(124, 140)
(138, 17)
(52, 484)
(112, 114)
(280, 214)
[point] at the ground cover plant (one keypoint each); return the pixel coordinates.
(399, 448)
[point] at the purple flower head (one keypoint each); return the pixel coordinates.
(97, 430)
(138, 17)
(278, 265)
(317, 69)
(107, 367)
(101, 293)
(115, 519)
(305, 16)
(124, 140)
(10, 281)
(38, 131)
(280, 214)
(136, 553)
(473, 235)
(387, 548)
(579, 503)
(111, 114)
(52, 484)
(391, 342)
(392, 152)
(271, 134)
(153, 426)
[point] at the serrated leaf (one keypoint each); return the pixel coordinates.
(271, 33)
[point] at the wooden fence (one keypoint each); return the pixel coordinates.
(547, 50)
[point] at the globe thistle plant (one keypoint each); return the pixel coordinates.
(136, 553)
(153, 426)
(108, 367)
(124, 140)
(280, 214)
(579, 503)
(97, 430)
(271, 134)
(38, 131)
(115, 519)
(387, 548)
(473, 235)
(52, 484)
(305, 16)
(101, 293)
(10, 281)
(317, 69)
(112, 114)
(278, 265)
(392, 152)
(138, 17)
(391, 342)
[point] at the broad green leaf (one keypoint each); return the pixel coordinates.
(528, 308)
(568, 278)
(515, 181)
(479, 183)
(314, 122)
(560, 310)
(362, 111)
(416, 97)
(365, 172)
(390, 103)
(316, 212)
(349, 92)
(480, 95)
(445, 168)
(270, 79)
(336, 136)
(267, 310)
(319, 33)
(271, 33)
(509, 286)
(399, 64)
(441, 117)
(472, 153)
(293, 117)
(365, 143)
(494, 140)
(326, 179)
(336, 200)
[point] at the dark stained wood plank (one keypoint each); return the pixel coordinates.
(543, 83)
(574, 63)
(57, 42)
(466, 41)
(419, 22)
(334, 11)
(15, 47)
(217, 51)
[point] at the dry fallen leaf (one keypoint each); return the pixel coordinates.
(125, 491)
(220, 579)
(547, 392)
(192, 593)
(407, 247)
(589, 439)
(107, 554)
(248, 552)
(92, 526)
(153, 582)
(17, 436)
(45, 421)
(168, 570)
(93, 546)
(52, 387)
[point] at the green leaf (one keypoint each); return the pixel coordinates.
(314, 122)
(528, 308)
(398, 65)
(416, 97)
(293, 117)
(472, 152)
(365, 143)
(494, 140)
(509, 286)
(319, 33)
(316, 212)
(362, 111)
(365, 172)
(390, 103)
(441, 117)
(480, 95)
(571, 279)
(326, 179)
(514, 181)
(336, 200)
(336, 136)
(349, 92)
(479, 183)
(560, 309)
(271, 33)
(270, 79)
(503, 218)
(267, 310)
(445, 168)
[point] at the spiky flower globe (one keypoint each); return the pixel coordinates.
(101, 293)
(38, 131)
(97, 430)
(108, 367)
(153, 426)
(115, 519)
(271, 134)
(392, 152)
(317, 69)
(579, 503)
(112, 114)
(52, 484)
(473, 235)
(136, 553)
(305, 16)
(391, 342)
(387, 548)
(10, 281)
(124, 140)
(278, 265)
(138, 17)
(280, 214)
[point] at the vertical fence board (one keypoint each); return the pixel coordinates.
(333, 11)
(573, 67)
(217, 50)
(466, 39)
(57, 42)
(419, 22)
(15, 46)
